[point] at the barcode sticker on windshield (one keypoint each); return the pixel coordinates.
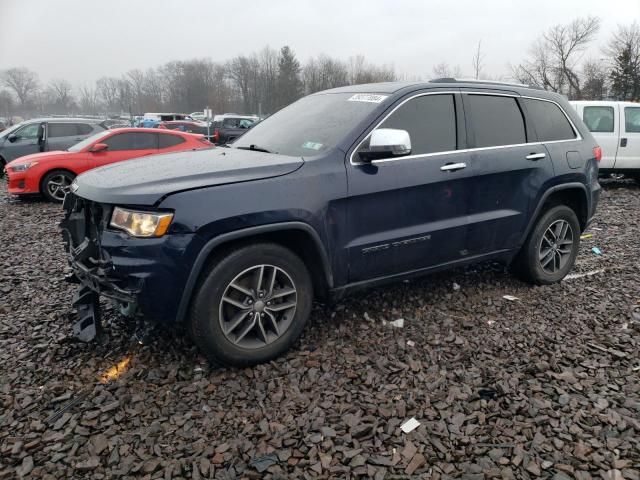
(367, 97)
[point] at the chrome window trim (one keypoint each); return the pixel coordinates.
(463, 150)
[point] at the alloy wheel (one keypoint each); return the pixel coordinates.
(556, 246)
(58, 186)
(258, 306)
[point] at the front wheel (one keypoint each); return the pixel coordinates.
(56, 184)
(252, 305)
(551, 248)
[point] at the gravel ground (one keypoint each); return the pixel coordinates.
(546, 385)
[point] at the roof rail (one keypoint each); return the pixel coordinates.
(487, 82)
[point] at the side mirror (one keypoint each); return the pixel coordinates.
(386, 143)
(12, 138)
(99, 147)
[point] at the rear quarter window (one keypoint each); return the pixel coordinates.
(168, 140)
(495, 120)
(84, 128)
(549, 121)
(632, 119)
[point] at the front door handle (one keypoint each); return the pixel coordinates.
(623, 142)
(449, 167)
(536, 156)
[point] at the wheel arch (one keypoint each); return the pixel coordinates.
(573, 195)
(50, 170)
(299, 237)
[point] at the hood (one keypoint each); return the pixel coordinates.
(146, 180)
(39, 157)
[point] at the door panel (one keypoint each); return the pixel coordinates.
(406, 213)
(629, 145)
(26, 143)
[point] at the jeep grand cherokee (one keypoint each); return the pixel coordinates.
(343, 189)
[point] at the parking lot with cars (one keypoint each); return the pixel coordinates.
(505, 379)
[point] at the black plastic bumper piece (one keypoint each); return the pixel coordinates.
(87, 325)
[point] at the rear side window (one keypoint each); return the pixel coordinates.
(84, 128)
(550, 123)
(132, 141)
(62, 130)
(169, 140)
(430, 121)
(495, 120)
(632, 119)
(598, 119)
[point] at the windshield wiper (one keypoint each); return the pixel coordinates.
(255, 148)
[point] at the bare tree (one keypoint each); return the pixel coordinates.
(59, 95)
(555, 57)
(88, 99)
(594, 84)
(476, 62)
(6, 103)
(22, 81)
(107, 88)
(443, 70)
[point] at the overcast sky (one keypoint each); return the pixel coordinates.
(82, 40)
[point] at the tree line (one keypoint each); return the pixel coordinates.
(262, 82)
(269, 79)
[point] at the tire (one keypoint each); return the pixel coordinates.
(55, 184)
(219, 327)
(532, 265)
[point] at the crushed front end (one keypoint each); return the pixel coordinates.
(82, 228)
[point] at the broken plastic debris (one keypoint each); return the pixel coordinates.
(411, 343)
(410, 425)
(456, 286)
(490, 322)
(596, 250)
(585, 236)
(511, 298)
(580, 275)
(399, 323)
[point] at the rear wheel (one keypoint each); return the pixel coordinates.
(252, 305)
(551, 248)
(56, 184)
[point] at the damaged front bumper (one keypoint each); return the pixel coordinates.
(145, 277)
(81, 230)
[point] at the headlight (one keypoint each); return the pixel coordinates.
(140, 224)
(23, 166)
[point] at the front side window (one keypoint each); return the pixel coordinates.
(29, 132)
(430, 121)
(495, 120)
(598, 119)
(132, 141)
(62, 130)
(550, 123)
(632, 119)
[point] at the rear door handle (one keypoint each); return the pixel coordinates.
(453, 166)
(623, 142)
(536, 156)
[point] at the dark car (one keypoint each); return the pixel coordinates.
(341, 190)
(44, 134)
(228, 127)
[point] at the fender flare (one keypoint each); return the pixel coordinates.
(204, 253)
(545, 196)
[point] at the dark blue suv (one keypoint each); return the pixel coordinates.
(343, 189)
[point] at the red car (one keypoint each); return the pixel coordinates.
(51, 173)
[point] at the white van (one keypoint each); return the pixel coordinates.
(616, 128)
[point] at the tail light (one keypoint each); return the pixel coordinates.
(216, 136)
(597, 152)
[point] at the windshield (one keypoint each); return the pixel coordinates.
(308, 127)
(88, 141)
